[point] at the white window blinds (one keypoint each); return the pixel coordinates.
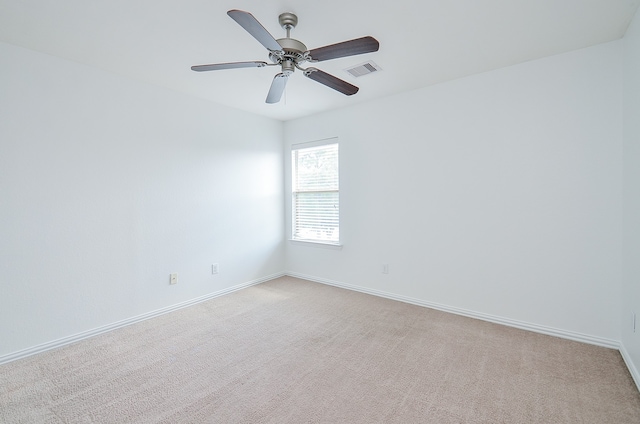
(316, 197)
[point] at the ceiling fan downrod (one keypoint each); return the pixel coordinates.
(288, 21)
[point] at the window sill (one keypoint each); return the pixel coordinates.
(314, 243)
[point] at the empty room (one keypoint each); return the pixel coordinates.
(320, 212)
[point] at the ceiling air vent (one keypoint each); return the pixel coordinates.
(363, 69)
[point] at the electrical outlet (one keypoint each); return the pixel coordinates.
(173, 278)
(385, 268)
(215, 269)
(633, 322)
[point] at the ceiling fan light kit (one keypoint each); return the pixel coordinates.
(289, 54)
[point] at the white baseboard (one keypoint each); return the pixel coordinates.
(630, 365)
(570, 335)
(109, 327)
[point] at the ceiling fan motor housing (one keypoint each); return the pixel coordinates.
(293, 50)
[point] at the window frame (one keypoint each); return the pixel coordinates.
(302, 146)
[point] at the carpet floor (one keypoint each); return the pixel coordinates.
(293, 351)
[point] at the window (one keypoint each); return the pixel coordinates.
(315, 192)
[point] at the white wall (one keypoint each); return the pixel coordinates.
(108, 185)
(499, 193)
(631, 261)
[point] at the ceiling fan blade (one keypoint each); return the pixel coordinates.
(346, 48)
(331, 81)
(277, 88)
(231, 65)
(255, 28)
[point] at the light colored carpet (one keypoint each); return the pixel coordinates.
(292, 351)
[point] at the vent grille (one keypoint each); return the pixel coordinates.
(363, 69)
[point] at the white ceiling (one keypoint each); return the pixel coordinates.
(421, 42)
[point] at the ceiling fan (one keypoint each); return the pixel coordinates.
(289, 53)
